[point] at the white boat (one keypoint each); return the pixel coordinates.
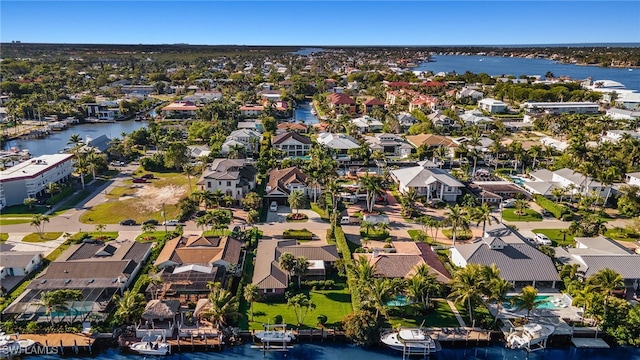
(25, 344)
(530, 334)
(411, 341)
(275, 336)
(151, 345)
(9, 349)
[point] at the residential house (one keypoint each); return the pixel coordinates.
(483, 145)
(246, 138)
(251, 110)
(438, 118)
(189, 263)
(137, 90)
(475, 117)
(282, 182)
(204, 96)
(367, 124)
(370, 104)
(100, 144)
(406, 120)
(284, 127)
(403, 263)
(623, 114)
(557, 108)
(432, 141)
(292, 144)
(341, 103)
(102, 112)
(180, 109)
(614, 136)
(15, 266)
(98, 270)
(389, 144)
(519, 262)
(594, 254)
(424, 103)
(272, 280)
(469, 93)
(30, 178)
(339, 143)
(198, 151)
(234, 177)
(544, 181)
(556, 144)
(492, 105)
(430, 182)
(632, 178)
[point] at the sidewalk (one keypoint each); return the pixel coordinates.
(456, 313)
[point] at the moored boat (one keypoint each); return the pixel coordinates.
(411, 341)
(151, 345)
(275, 336)
(528, 335)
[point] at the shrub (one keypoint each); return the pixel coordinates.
(556, 209)
(319, 284)
(322, 319)
(461, 234)
(303, 234)
(567, 217)
(277, 319)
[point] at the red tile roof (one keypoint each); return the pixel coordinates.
(373, 102)
(433, 83)
(340, 99)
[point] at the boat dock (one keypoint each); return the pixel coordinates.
(462, 336)
(61, 344)
(193, 343)
(589, 343)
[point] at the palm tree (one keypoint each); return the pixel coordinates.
(188, 170)
(287, 262)
(81, 166)
(29, 201)
(367, 226)
(482, 214)
(521, 207)
(606, 280)
(38, 221)
(236, 151)
(148, 227)
(585, 298)
(100, 228)
(93, 160)
(301, 306)
(300, 268)
(558, 193)
(373, 186)
(498, 288)
(129, 307)
(382, 227)
(527, 299)
(365, 270)
(76, 141)
(53, 301)
(378, 293)
(456, 217)
(251, 295)
(296, 200)
(222, 305)
(440, 153)
(466, 287)
(53, 188)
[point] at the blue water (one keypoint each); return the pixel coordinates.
(518, 180)
(495, 65)
(303, 113)
(545, 302)
(58, 139)
(331, 351)
(400, 300)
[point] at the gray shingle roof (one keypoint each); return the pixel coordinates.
(17, 258)
(628, 266)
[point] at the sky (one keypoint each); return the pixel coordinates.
(333, 22)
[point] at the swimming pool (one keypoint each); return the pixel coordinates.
(518, 180)
(545, 302)
(400, 300)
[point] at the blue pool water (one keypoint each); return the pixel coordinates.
(517, 180)
(545, 302)
(400, 300)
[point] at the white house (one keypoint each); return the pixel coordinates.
(492, 105)
(616, 135)
(632, 178)
(367, 124)
(622, 114)
(469, 93)
(561, 107)
(389, 144)
(31, 178)
(340, 143)
(234, 177)
(427, 181)
(18, 263)
(544, 181)
(247, 138)
(475, 117)
(292, 144)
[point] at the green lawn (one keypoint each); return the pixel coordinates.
(22, 211)
(441, 316)
(302, 234)
(223, 232)
(4, 237)
(335, 304)
(106, 235)
(323, 214)
(151, 236)
(375, 234)
(15, 221)
(621, 234)
(531, 215)
(556, 237)
(461, 234)
(46, 236)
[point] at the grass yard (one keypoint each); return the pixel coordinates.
(15, 221)
(621, 234)
(22, 211)
(323, 214)
(152, 236)
(106, 235)
(413, 234)
(441, 316)
(461, 234)
(530, 215)
(4, 237)
(222, 232)
(302, 234)
(46, 236)
(335, 304)
(556, 236)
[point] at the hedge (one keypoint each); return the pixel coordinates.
(461, 234)
(352, 278)
(303, 234)
(557, 210)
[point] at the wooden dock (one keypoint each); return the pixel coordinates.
(589, 343)
(66, 343)
(203, 343)
(461, 336)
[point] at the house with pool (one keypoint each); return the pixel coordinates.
(519, 261)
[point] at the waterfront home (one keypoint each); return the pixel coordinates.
(30, 178)
(341, 103)
(519, 261)
(594, 254)
(492, 105)
(339, 143)
(426, 181)
(272, 280)
(15, 266)
(158, 318)
(367, 124)
(99, 270)
(623, 114)
(544, 181)
(630, 101)
(198, 151)
(372, 103)
(234, 177)
(246, 138)
(556, 108)
(389, 144)
(632, 178)
(251, 110)
(282, 182)
(204, 96)
(284, 127)
(100, 144)
(180, 109)
(614, 136)
(101, 112)
(292, 144)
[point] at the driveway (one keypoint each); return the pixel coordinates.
(277, 223)
(16, 243)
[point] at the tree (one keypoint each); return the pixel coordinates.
(527, 299)
(300, 268)
(148, 227)
(251, 295)
(377, 293)
(466, 287)
(57, 301)
(296, 200)
(367, 226)
(301, 305)
(100, 228)
(29, 202)
(38, 221)
(365, 270)
(361, 326)
(606, 280)
(221, 307)
(81, 165)
(585, 298)
(498, 288)
(521, 207)
(373, 186)
(252, 201)
(53, 188)
(129, 307)
(76, 141)
(456, 217)
(188, 170)
(287, 262)
(482, 215)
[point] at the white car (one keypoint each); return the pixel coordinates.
(274, 206)
(541, 239)
(509, 203)
(173, 222)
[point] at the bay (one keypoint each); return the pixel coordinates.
(57, 140)
(497, 65)
(330, 351)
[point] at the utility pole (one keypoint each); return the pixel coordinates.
(164, 217)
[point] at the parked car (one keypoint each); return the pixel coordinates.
(274, 206)
(128, 222)
(345, 220)
(509, 203)
(546, 213)
(150, 221)
(542, 239)
(172, 222)
(140, 180)
(116, 163)
(148, 176)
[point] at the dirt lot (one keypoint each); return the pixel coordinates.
(153, 197)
